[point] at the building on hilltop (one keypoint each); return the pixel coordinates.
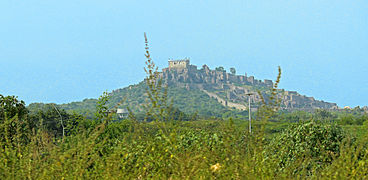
(181, 71)
(181, 63)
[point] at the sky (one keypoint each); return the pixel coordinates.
(69, 50)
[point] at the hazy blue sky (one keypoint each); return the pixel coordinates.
(68, 50)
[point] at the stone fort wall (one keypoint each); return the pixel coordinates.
(182, 73)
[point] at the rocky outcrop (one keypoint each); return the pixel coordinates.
(230, 89)
(190, 74)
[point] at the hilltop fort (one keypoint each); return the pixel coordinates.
(183, 72)
(230, 89)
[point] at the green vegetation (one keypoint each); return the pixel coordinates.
(232, 71)
(175, 149)
(220, 68)
(313, 145)
(134, 97)
(44, 141)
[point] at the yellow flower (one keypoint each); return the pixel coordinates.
(215, 167)
(171, 156)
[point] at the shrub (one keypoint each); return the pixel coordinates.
(305, 146)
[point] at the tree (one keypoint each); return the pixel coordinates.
(102, 109)
(221, 69)
(13, 124)
(57, 122)
(11, 106)
(233, 71)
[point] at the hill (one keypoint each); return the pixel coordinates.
(204, 91)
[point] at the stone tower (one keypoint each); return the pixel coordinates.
(181, 63)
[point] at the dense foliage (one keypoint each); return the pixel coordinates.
(312, 144)
(163, 142)
(132, 149)
(188, 101)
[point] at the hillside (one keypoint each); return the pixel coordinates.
(206, 92)
(133, 96)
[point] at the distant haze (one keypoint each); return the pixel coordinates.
(63, 51)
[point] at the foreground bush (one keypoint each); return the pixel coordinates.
(198, 150)
(305, 146)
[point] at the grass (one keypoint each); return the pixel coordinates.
(169, 149)
(161, 150)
